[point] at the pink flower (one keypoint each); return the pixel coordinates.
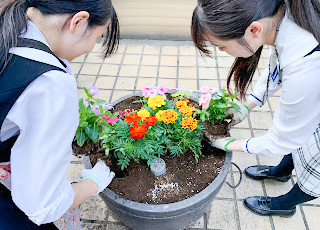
(93, 90)
(113, 120)
(146, 92)
(204, 89)
(122, 113)
(205, 101)
(153, 92)
(162, 90)
(175, 100)
(174, 90)
(213, 90)
(109, 120)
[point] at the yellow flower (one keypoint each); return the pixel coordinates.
(185, 110)
(181, 104)
(143, 114)
(189, 123)
(158, 114)
(169, 116)
(156, 101)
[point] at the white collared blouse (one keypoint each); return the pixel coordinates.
(46, 116)
(298, 113)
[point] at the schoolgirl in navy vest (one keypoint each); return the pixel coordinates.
(39, 106)
(291, 29)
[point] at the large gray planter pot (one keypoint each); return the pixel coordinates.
(174, 216)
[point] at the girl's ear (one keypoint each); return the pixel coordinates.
(255, 30)
(78, 20)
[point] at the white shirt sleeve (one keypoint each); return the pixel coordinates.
(261, 86)
(47, 116)
(298, 112)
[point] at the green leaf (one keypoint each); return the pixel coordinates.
(87, 92)
(83, 124)
(107, 151)
(220, 105)
(81, 105)
(203, 117)
(92, 131)
(235, 106)
(81, 138)
(98, 101)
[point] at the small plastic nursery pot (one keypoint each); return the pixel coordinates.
(173, 216)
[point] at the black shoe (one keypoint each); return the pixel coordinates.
(260, 172)
(261, 205)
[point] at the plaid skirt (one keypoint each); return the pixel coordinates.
(307, 165)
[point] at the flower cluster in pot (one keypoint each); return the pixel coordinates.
(165, 124)
(91, 114)
(161, 126)
(216, 104)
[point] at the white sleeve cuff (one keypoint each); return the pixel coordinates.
(255, 99)
(245, 145)
(56, 209)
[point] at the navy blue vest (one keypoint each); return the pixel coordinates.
(18, 74)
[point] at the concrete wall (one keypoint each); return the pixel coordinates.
(155, 19)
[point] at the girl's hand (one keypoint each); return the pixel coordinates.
(238, 116)
(100, 174)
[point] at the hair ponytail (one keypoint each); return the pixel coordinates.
(13, 21)
(306, 13)
(243, 70)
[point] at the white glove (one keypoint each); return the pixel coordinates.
(238, 116)
(100, 174)
(219, 143)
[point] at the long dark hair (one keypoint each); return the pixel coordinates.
(13, 20)
(229, 19)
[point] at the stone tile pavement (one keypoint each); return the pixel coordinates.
(142, 63)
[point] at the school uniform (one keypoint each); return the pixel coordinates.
(296, 119)
(44, 119)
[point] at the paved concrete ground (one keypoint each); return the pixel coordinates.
(140, 63)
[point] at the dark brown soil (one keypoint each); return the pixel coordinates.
(128, 104)
(217, 129)
(183, 179)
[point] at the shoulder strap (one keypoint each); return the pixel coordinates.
(18, 74)
(30, 43)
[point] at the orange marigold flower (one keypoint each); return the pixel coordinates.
(189, 123)
(133, 118)
(138, 131)
(143, 114)
(150, 121)
(169, 116)
(180, 104)
(186, 110)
